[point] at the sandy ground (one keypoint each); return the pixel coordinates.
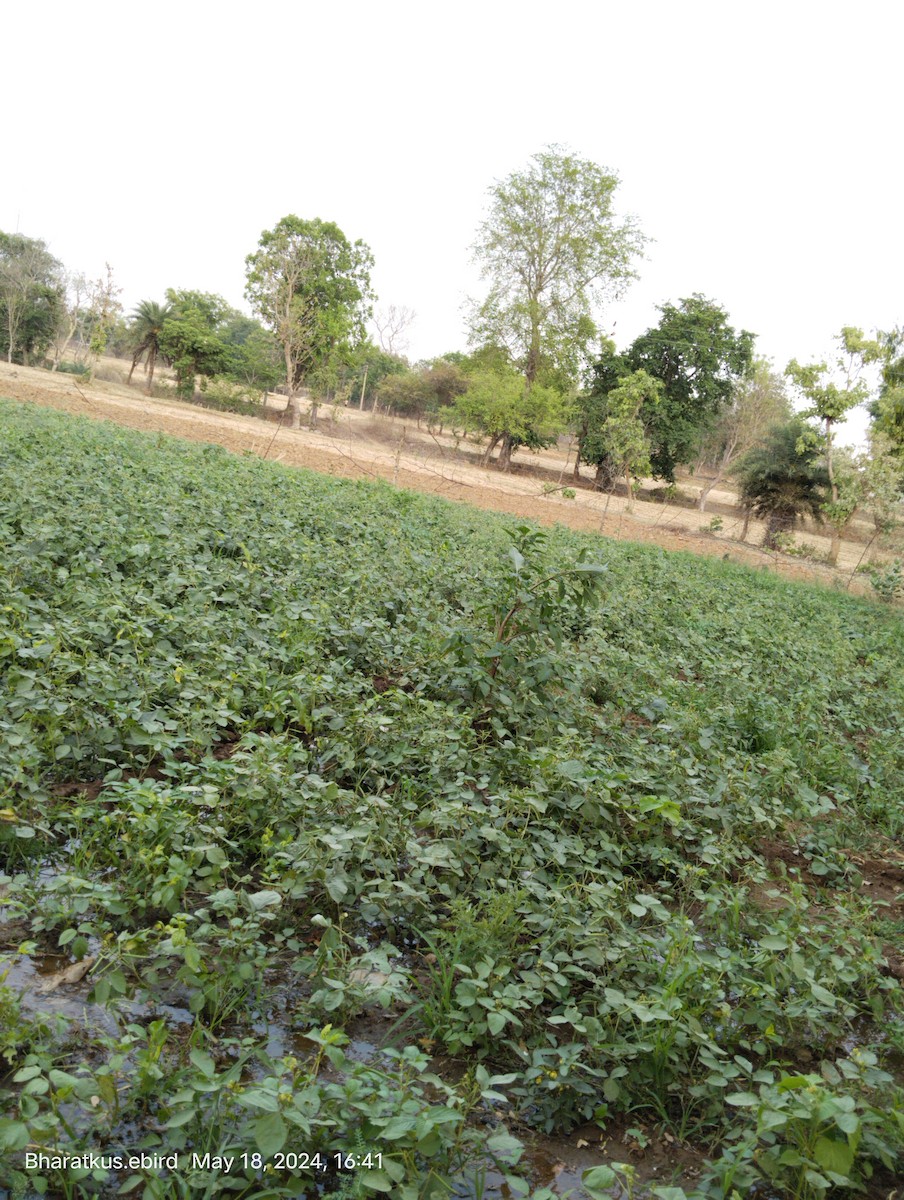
(355, 445)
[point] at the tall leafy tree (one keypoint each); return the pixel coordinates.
(253, 353)
(830, 394)
(700, 360)
(499, 405)
(783, 479)
(190, 338)
(311, 286)
(32, 296)
(148, 320)
(887, 410)
(627, 444)
(592, 411)
(552, 251)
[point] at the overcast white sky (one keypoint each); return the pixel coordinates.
(758, 144)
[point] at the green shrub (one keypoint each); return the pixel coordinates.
(228, 396)
(888, 580)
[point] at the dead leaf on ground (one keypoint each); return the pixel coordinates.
(71, 974)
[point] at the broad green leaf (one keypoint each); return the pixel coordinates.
(598, 1182)
(397, 1127)
(270, 1133)
(834, 1156)
(374, 1181)
(26, 1073)
(180, 1118)
(847, 1122)
(203, 1061)
(14, 1135)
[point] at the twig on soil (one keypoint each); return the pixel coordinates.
(860, 560)
(354, 461)
(272, 440)
(83, 396)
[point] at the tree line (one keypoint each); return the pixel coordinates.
(689, 392)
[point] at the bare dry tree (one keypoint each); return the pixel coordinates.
(391, 325)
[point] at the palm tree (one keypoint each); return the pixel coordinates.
(783, 478)
(147, 325)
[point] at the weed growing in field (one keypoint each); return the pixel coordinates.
(536, 608)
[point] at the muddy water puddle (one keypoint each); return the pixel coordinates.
(52, 984)
(558, 1163)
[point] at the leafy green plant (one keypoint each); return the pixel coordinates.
(229, 396)
(888, 580)
(810, 1138)
(534, 610)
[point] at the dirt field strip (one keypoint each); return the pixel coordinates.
(396, 451)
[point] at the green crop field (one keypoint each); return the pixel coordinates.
(606, 834)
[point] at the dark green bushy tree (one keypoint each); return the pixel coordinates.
(424, 391)
(253, 358)
(190, 337)
(32, 297)
(783, 479)
(699, 358)
(593, 412)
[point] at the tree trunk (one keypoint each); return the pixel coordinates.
(488, 453)
(315, 404)
(830, 466)
(781, 520)
(533, 353)
(152, 359)
(834, 547)
(292, 407)
(747, 515)
(604, 480)
(726, 459)
(505, 452)
(576, 473)
(60, 350)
